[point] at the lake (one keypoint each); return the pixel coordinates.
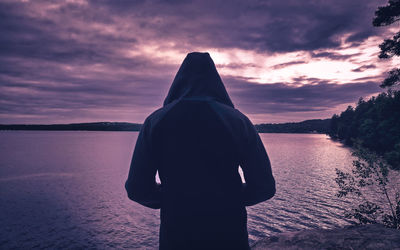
(65, 189)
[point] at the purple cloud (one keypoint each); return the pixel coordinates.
(114, 60)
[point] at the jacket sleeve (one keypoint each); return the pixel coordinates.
(141, 185)
(260, 184)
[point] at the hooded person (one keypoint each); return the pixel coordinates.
(196, 142)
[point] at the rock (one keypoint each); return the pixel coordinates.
(350, 237)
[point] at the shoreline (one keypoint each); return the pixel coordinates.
(316, 126)
(372, 236)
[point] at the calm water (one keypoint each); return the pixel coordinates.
(65, 190)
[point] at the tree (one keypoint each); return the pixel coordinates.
(374, 123)
(384, 16)
(377, 145)
(375, 198)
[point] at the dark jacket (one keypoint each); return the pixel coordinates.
(196, 142)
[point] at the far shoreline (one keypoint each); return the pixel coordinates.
(316, 126)
(137, 131)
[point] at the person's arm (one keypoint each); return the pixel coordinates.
(260, 184)
(141, 185)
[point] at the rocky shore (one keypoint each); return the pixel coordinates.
(350, 237)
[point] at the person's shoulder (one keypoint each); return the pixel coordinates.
(157, 115)
(231, 113)
(236, 122)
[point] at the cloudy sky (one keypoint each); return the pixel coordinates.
(280, 60)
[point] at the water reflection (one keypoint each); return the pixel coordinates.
(65, 189)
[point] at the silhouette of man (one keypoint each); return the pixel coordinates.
(196, 142)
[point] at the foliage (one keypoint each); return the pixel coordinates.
(375, 124)
(308, 126)
(392, 79)
(387, 15)
(370, 172)
(373, 129)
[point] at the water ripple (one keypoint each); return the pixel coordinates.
(82, 203)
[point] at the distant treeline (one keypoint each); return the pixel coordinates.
(375, 124)
(95, 126)
(309, 126)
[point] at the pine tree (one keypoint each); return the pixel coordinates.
(384, 16)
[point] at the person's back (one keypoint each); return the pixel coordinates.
(196, 142)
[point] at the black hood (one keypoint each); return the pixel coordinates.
(198, 77)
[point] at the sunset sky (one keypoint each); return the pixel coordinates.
(281, 60)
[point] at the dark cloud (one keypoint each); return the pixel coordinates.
(364, 67)
(78, 60)
(263, 25)
(255, 98)
(303, 80)
(284, 65)
(331, 55)
(42, 100)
